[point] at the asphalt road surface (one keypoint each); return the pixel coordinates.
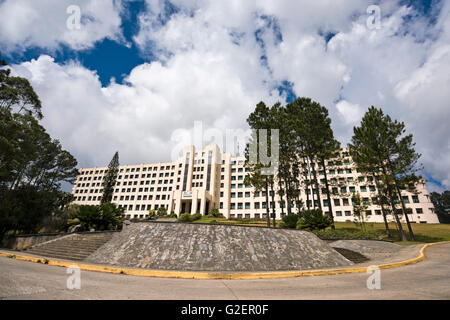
(428, 279)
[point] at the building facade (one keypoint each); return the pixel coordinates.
(208, 178)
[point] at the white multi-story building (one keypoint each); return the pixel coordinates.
(204, 179)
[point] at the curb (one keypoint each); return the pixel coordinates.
(218, 275)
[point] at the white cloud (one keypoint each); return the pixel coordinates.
(138, 118)
(210, 69)
(43, 23)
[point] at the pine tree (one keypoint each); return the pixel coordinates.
(314, 139)
(379, 147)
(110, 179)
(258, 119)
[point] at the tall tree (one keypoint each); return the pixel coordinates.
(17, 95)
(110, 179)
(260, 118)
(380, 146)
(315, 139)
(32, 164)
(441, 202)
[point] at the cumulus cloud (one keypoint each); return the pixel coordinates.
(216, 59)
(43, 23)
(138, 118)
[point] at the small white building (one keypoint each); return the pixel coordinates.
(204, 179)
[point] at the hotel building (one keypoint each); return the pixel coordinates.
(208, 178)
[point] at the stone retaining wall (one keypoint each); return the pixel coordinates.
(22, 242)
(206, 247)
(25, 241)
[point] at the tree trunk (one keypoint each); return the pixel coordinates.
(316, 184)
(328, 194)
(267, 203)
(386, 225)
(394, 210)
(281, 197)
(383, 211)
(411, 234)
(273, 209)
(288, 199)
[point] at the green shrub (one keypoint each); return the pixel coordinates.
(172, 215)
(196, 216)
(289, 221)
(215, 213)
(151, 213)
(104, 217)
(313, 220)
(340, 234)
(161, 212)
(185, 217)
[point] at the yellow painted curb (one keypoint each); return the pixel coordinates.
(217, 275)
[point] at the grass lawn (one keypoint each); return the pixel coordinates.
(423, 232)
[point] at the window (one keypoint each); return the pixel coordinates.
(351, 189)
(338, 213)
(337, 202)
(419, 210)
(415, 199)
(363, 189)
(348, 213)
(256, 205)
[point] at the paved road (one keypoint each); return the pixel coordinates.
(429, 279)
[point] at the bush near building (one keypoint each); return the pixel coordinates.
(187, 217)
(289, 221)
(215, 213)
(313, 220)
(103, 217)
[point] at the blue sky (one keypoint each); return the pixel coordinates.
(174, 63)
